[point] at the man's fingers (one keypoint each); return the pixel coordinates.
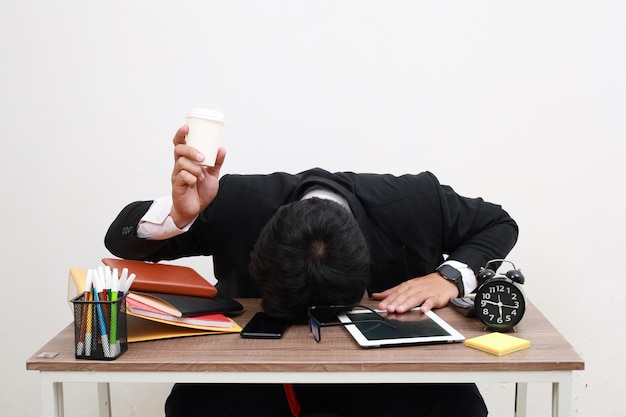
(184, 178)
(427, 305)
(430, 291)
(189, 152)
(180, 135)
(381, 295)
(399, 299)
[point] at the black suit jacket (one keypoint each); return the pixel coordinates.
(409, 222)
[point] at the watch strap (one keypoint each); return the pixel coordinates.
(452, 274)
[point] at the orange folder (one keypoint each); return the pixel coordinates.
(164, 278)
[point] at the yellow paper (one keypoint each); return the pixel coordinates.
(75, 284)
(498, 343)
(140, 330)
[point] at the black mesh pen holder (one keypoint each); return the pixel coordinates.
(100, 328)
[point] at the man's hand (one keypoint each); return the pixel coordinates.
(193, 186)
(430, 291)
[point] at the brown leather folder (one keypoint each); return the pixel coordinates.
(164, 278)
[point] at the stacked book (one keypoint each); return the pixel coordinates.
(166, 301)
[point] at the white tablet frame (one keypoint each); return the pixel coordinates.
(452, 337)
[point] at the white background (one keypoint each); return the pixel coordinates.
(521, 103)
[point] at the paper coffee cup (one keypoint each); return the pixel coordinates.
(205, 129)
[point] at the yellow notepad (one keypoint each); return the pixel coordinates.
(498, 343)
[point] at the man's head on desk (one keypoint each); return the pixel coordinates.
(312, 252)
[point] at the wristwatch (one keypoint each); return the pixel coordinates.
(452, 274)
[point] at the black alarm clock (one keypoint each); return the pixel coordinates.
(500, 302)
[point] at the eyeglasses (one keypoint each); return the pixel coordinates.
(319, 316)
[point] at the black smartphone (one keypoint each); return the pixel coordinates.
(263, 326)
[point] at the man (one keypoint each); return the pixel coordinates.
(319, 238)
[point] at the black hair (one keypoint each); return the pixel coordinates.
(311, 252)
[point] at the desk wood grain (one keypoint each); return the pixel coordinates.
(298, 352)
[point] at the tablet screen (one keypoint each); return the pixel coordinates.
(412, 327)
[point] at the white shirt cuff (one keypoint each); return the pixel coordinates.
(157, 224)
(469, 278)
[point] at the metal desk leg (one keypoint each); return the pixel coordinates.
(51, 398)
(521, 395)
(562, 398)
(104, 400)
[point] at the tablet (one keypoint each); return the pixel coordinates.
(411, 328)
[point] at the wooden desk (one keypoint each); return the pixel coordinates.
(298, 358)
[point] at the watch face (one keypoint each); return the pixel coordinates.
(500, 304)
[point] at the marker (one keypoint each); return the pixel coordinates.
(129, 282)
(123, 278)
(89, 331)
(102, 280)
(104, 338)
(82, 331)
(115, 278)
(114, 306)
(108, 282)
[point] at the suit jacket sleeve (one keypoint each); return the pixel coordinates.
(121, 238)
(228, 227)
(475, 231)
(412, 222)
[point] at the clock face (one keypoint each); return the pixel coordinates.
(500, 304)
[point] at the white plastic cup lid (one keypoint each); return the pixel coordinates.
(206, 114)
